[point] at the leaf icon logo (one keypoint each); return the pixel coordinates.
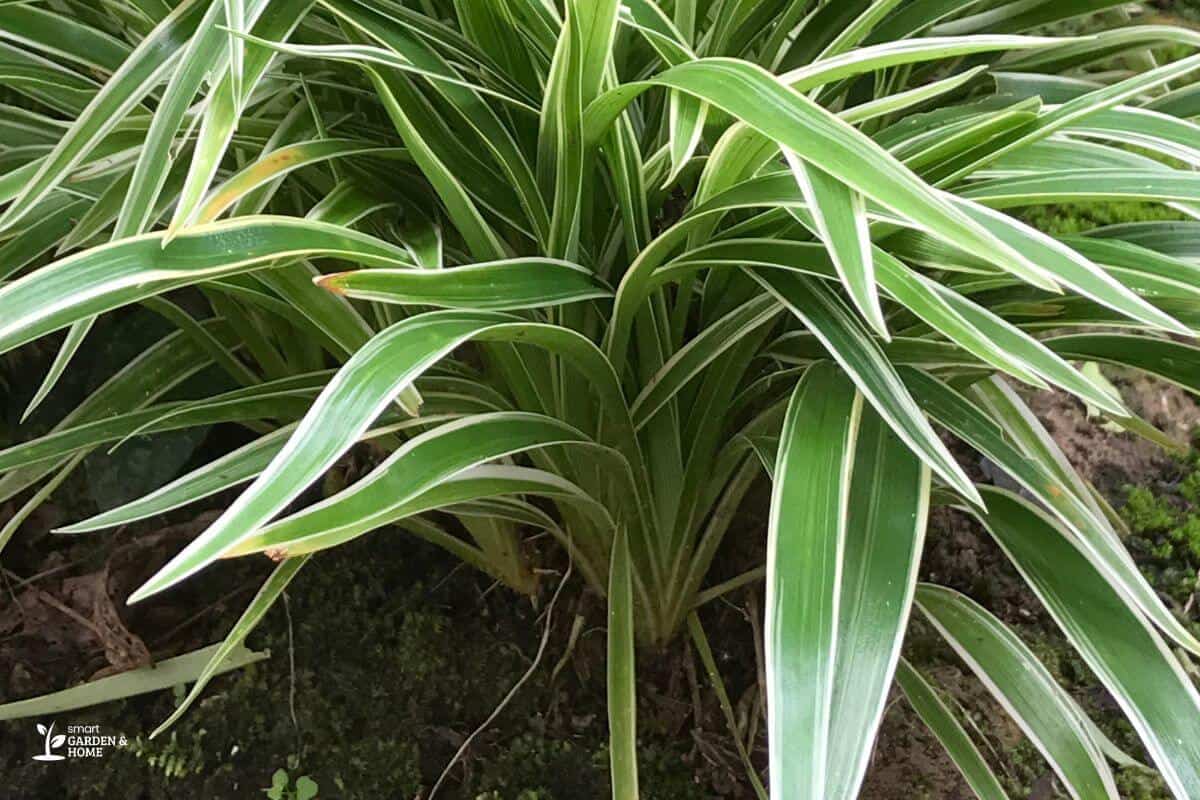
(50, 742)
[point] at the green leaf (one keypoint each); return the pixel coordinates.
(841, 220)
(704, 650)
(901, 101)
(147, 377)
(1158, 132)
(805, 546)
(622, 682)
(786, 117)
(597, 25)
(1073, 270)
(206, 52)
(497, 286)
(235, 467)
(129, 85)
(1172, 361)
(1103, 45)
(306, 788)
(279, 162)
(260, 402)
(687, 115)
(62, 359)
(235, 18)
(1087, 185)
(939, 719)
(1026, 689)
(885, 529)
(357, 395)
(690, 360)
(857, 353)
(1151, 274)
(418, 466)
(47, 225)
(481, 238)
(968, 325)
(60, 35)
(122, 272)
(224, 108)
(487, 491)
(903, 51)
(1017, 15)
(163, 675)
(1075, 502)
(856, 31)
(1068, 114)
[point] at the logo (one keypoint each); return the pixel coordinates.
(51, 742)
(82, 741)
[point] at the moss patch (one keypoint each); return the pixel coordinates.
(1164, 520)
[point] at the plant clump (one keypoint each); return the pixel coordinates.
(583, 278)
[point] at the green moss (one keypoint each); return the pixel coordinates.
(535, 767)
(1165, 523)
(173, 758)
(1064, 220)
(1189, 488)
(666, 775)
(1021, 768)
(1146, 513)
(1189, 534)
(1138, 784)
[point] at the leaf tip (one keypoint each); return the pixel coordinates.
(173, 230)
(973, 497)
(83, 526)
(880, 328)
(330, 282)
(152, 586)
(29, 409)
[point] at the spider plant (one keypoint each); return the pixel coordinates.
(596, 268)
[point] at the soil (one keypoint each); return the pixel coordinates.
(1109, 461)
(388, 653)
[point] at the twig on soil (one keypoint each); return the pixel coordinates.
(12, 593)
(689, 665)
(760, 660)
(287, 611)
(58, 605)
(1191, 601)
(572, 640)
(162, 639)
(21, 583)
(537, 659)
(747, 716)
(446, 577)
